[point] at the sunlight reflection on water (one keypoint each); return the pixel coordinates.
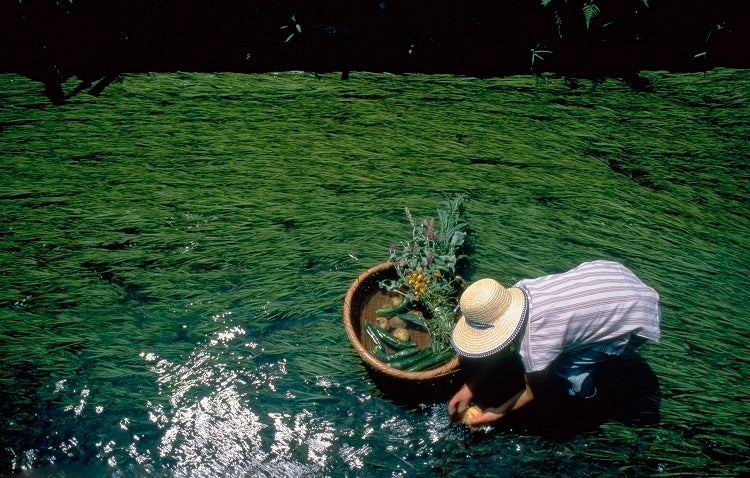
(232, 406)
(223, 413)
(216, 422)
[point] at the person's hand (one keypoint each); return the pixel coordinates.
(459, 403)
(490, 415)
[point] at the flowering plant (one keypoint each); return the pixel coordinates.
(428, 264)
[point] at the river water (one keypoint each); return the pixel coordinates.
(175, 250)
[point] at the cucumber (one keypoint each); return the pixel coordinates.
(390, 311)
(394, 357)
(430, 361)
(402, 354)
(379, 354)
(404, 363)
(370, 331)
(389, 339)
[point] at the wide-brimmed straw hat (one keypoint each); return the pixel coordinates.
(492, 316)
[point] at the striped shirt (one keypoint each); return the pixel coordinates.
(598, 305)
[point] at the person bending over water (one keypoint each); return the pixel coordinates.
(561, 325)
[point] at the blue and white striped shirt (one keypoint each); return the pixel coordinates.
(596, 306)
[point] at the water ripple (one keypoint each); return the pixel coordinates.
(218, 416)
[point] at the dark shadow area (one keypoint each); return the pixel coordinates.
(412, 393)
(493, 379)
(94, 86)
(507, 379)
(52, 41)
(627, 392)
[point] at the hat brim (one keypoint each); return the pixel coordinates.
(476, 342)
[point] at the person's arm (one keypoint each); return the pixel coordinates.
(481, 372)
(533, 382)
(459, 403)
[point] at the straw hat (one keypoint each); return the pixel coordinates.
(492, 317)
